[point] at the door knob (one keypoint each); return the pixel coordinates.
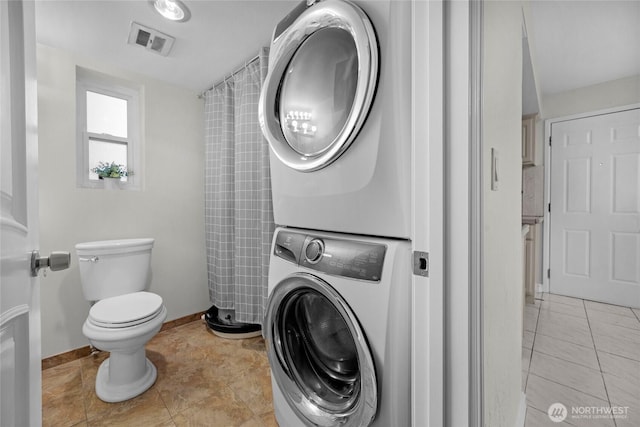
(56, 261)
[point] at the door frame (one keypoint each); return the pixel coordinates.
(546, 224)
(447, 337)
(427, 214)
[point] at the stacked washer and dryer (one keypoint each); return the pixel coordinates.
(336, 111)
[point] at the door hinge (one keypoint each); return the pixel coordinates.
(549, 141)
(548, 273)
(421, 263)
(549, 207)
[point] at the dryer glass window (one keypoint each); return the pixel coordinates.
(320, 350)
(318, 90)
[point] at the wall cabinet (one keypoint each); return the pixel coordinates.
(529, 140)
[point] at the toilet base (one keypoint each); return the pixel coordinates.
(112, 391)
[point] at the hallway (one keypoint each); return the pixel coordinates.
(585, 355)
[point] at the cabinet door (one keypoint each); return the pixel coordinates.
(531, 253)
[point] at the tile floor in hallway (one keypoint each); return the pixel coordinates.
(203, 380)
(584, 355)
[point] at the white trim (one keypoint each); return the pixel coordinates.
(546, 260)
(88, 80)
(593, 113)
(427, 322)
(476, 270)
(522, 411)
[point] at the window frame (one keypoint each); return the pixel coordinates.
(92, 81)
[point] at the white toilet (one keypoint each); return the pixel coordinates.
(124, 318)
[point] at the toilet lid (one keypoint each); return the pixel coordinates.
(125, 310)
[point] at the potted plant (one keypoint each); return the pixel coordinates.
(111, 173)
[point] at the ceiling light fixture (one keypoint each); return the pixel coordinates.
(173, 10)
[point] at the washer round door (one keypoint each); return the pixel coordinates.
(318, 354)
(322, 76)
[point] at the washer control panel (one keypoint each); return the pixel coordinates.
(330, 255)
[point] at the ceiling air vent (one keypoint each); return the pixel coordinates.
(150, 39)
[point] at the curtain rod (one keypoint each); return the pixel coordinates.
(228, 76)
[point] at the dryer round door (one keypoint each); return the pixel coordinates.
(322, 77)
(318, 354)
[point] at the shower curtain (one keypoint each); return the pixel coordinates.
(238, 210)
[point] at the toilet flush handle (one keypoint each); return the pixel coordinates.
(56, 261)
(92, 259)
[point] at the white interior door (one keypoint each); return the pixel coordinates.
(20, 383)
(595, 208)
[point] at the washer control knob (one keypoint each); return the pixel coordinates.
(314, 251)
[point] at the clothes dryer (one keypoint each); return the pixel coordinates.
(337, 329)
(336, 110)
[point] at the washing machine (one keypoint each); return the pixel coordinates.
(336, 110)
(337, 328)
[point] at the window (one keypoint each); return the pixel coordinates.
(108, 122)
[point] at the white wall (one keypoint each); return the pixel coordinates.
(530, 61)
(605, 95)
(170, 207)
(502, 247)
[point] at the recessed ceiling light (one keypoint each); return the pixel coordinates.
(173, 10)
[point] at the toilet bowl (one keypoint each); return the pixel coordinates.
(123, 317)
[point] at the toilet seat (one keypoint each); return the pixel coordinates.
(126, 310)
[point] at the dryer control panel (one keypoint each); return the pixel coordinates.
(330, 255)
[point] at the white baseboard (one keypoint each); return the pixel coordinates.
(522, 411)
(540, 287)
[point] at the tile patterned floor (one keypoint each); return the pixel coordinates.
(584, 355)
(203, 380)
(579, 353)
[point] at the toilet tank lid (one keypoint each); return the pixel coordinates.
(115, 245)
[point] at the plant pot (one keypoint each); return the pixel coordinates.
(111, 183)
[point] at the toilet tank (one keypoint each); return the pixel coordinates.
(110, 268)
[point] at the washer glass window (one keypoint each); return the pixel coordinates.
(323, 71)
(318, 90)
(319, 355)
(320, 350)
